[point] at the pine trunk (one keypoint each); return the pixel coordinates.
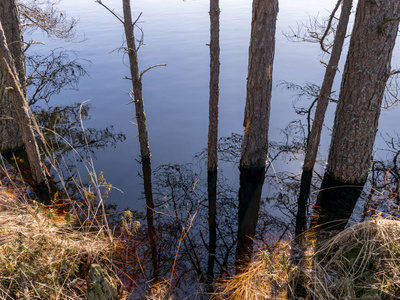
(212, 165)
(10, 135)
(322, 104)
(356, 120)
(142, 129)
(20, 105)
(256, 122)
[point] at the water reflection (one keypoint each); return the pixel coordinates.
(181, 212)
(180, 193)
(69, 143)
(52, 73)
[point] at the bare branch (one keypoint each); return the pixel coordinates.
(45, 16)
(111, 11)
(329, 26)
(151, 67)
(30, 43)
(137, 19)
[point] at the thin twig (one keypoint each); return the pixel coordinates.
(328, 27)
(111, 11)
(151, 67)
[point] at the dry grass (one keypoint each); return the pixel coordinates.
(41, 255)
(266, 277)
(161, 290)
(361, 262)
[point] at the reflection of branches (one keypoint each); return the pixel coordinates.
(313, 31)
(384, 179)
(180, 193)
(292, 144)
(42, 14)
(391, 97)
(64, 121)
(309, 91)
(52, 73)
(316, 31)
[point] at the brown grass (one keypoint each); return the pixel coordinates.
(361, 262)
(41, 255)
(266, 277)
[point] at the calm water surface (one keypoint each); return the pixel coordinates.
(176, 97)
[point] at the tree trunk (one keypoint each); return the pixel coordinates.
(21, 108)
(315, 134)
(213, 136)
(256, 120)
(10, 135)
(356, 120)
(142, 129)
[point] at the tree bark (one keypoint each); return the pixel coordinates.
(356, 120)
(10, 136)
(212, 165)
(20, 105)
(322, 104)
(142, 129)
(256, 121)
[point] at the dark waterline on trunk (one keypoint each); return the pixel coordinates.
(151, 232)
(301, 217)
(335, 203)
(251, 182)
(212, 225)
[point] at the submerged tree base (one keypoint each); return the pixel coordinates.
(301, 217)
(251, 182)
(335, 203)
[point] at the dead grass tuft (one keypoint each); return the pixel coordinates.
(160, 290)
(265, 278)
(41, 255)
(361, 262)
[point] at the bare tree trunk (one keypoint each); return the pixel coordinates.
(315, 134)
(212, 173)
(10, 136)
(256, 122)
(21, 108)
(356, 120)
(142, 129)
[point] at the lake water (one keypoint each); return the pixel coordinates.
(176, 97)
(176, 101)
